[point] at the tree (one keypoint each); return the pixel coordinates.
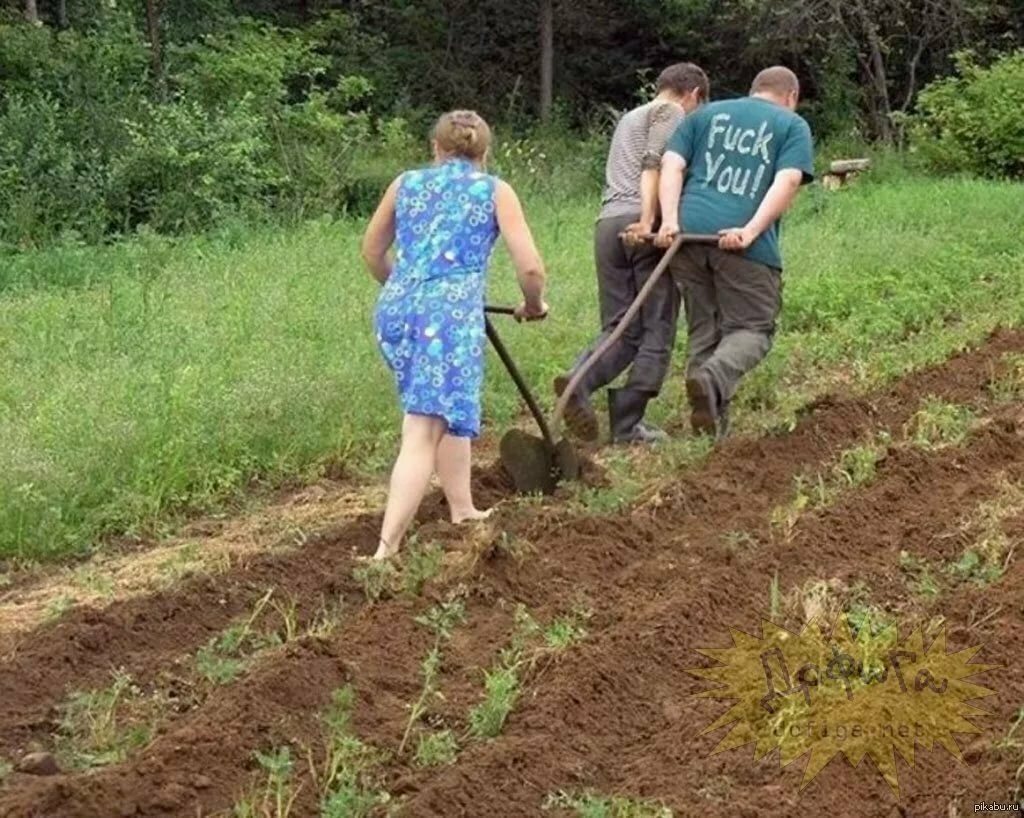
(32, 12)
(547, 57)
(155, 47)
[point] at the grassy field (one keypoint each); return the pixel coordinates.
(155, 377)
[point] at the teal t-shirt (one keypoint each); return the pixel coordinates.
(733, 149)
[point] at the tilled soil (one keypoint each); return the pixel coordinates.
(615, 714)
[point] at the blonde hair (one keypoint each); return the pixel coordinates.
(464, 134)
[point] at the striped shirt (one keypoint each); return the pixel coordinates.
(638, 143)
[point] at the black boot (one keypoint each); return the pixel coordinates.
(626, 409)
(580, 416)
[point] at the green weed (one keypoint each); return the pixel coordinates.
(181, 564)
(591, 805)
(102, 727)
(530, 642)
(610, 500)
(514, 547)
(922, 581)
(501, 692)
(1007, 382)
(563, 633)
(94, 581)
(854, 468)
(6, 768)
(58, 606)
(989, 549)
(866, 618)
(223, 659)
(858, 466)
(775, 599)
(1010, 741)
(288, 611)
(276, 797)
(973, 567)
(441, 621)
(327, 620)
(938, 424)
(739, 541)
(436, 749)
(378, 578)
(347, 780)
(421, 564)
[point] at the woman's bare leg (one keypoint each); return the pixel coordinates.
(453, 467)
(421, 435)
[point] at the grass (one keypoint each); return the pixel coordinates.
(1007, 383)
(938, 424)
(155, 378)
(592, 805)
(6, 768)
(102, 727)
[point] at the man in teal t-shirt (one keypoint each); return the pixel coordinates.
(743, 161)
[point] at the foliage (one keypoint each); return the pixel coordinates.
(592, 805)
(97, 727)
(436, 749)
(347, 780)
(260, 110)
(276, 797)
(971, 122)
(250, 120)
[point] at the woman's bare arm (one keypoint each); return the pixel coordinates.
(519, 241)
(380, 235)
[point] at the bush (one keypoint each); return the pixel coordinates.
(251, 122)
(972, 121)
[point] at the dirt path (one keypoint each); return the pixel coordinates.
(616, 713)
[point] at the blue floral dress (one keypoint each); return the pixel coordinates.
(430, 314)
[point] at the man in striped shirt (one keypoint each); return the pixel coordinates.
(630, 202)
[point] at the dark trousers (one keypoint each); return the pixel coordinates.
(647, 342)
(732, 304)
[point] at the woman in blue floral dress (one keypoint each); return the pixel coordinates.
(443, 222)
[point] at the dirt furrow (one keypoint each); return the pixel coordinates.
(617, 714)
(659, 578)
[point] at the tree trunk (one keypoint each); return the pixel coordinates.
(62, 14)
(32, 12)
(883, 120)
(155, 51)
(547, 57)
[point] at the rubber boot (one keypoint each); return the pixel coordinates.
(626, 409)
(580, 417)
